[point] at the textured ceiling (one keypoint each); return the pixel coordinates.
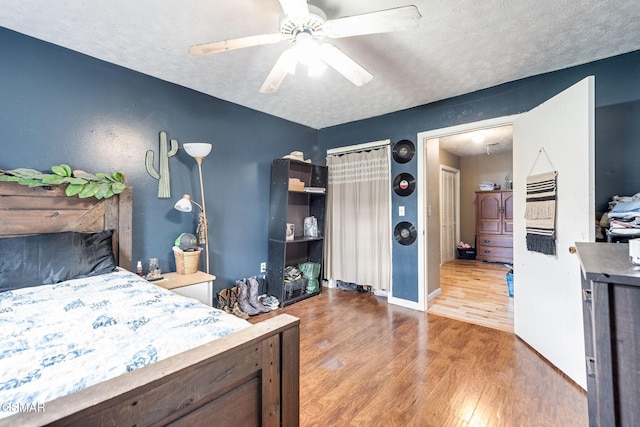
(460, 46)
(492, 141)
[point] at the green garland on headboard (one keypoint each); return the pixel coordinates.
(81, 183)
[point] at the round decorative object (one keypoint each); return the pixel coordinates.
(403, 151)
(404, 184)
(405, 233)
(187, 242)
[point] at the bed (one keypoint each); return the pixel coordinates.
(248, 377)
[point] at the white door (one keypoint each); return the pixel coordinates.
(547, 301)
(448, 214)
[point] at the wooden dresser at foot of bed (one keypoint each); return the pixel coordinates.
(494, 226)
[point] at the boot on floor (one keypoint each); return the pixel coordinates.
(233, 304)
(253, 285)
(223, 300)
(243, 299)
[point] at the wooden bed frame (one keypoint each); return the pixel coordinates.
(250, 377)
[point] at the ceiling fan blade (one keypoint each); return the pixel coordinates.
(382, 21)
(344, 65)
(295, 8)
(286, 64)
(224, 45)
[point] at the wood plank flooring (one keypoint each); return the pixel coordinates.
(367, 363)
(476, 292)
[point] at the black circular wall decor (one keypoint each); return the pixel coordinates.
(405, 233)
(404, 184)
(403, 151)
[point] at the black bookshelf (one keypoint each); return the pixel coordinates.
(292, 206)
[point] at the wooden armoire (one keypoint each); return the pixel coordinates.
(494, 226)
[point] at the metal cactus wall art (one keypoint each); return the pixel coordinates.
(162, 175)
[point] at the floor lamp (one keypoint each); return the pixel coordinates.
(197, 150)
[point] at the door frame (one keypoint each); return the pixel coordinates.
(456, 201)
(424, 256)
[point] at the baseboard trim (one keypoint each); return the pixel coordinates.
(405, 303)
(434, 294)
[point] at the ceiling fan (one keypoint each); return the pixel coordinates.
(305, 25)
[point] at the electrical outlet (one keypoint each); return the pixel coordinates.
(263, 267)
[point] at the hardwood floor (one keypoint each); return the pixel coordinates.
(367, 363)
(476, 292)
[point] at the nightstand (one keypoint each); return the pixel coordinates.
(198, 285)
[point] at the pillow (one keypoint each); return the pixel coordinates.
(45, 259)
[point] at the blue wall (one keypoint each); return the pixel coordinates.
(617, 152)
(617, 134)
(404, 271)
(59, 106)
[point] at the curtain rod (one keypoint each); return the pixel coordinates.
(358, 147)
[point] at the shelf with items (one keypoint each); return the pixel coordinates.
(300, 239)
(298, 191)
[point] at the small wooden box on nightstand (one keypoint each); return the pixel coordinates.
(198, 285)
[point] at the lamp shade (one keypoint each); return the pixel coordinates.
(184, 204)
(197, 149)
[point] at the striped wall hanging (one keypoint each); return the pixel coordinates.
(540, 213)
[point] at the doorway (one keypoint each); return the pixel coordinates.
(471, 290)
(429, 250)
(547, 294)
(449, 212)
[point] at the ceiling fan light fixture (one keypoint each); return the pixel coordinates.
(307, 47)
(478, 137)
(316, 68)
(304, 25)
(308, 53)
(312, 21)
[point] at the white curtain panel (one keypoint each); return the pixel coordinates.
(358, 246)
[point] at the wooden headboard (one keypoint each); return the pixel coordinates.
(25, 211)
